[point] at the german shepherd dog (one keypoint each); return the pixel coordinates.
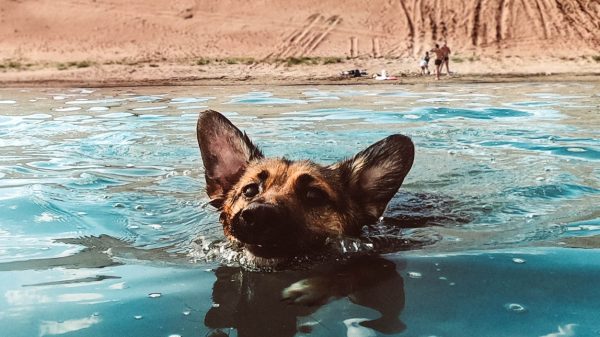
(275, 209)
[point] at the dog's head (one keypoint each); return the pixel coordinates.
(278, 208)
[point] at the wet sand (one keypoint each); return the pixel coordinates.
(157, 74)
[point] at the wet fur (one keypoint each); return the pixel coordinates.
(303, 202)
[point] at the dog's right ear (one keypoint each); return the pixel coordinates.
(374, 175)
(226, 152)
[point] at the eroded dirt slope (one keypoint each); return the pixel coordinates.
(182, 29)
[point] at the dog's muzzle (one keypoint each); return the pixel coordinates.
(261, 223)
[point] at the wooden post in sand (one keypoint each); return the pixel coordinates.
(353, 47)
(376, 50)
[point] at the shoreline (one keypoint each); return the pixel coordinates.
(218, 79)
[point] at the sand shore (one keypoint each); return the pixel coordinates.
(171, 73)
(152, 42)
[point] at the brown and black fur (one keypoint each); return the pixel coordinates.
(277, 208)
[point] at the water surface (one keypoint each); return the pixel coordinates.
(102, 200)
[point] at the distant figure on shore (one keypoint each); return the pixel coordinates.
(425, 64)
(354, 73)
(439, 58)
(446, 59)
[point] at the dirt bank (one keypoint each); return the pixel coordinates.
(137, 40)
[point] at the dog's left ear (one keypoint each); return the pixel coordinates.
(375, 174)
(226, 152)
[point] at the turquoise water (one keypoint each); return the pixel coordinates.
(102, 206)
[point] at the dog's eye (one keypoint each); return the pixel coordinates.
(250, 190)
(316, 196)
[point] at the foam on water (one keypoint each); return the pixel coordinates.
(190, 100)
(261, 98)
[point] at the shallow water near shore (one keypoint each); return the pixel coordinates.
(102, 202)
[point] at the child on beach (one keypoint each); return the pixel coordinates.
(425, 64)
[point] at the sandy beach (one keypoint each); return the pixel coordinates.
(108, 42)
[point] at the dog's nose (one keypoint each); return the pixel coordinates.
(261, 215)
(261, 223)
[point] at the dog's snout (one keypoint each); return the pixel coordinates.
(262, 223)
(261, 215)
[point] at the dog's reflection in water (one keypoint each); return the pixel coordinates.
(269, 304)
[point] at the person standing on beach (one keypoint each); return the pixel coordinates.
(439, 58)
(446, 59)
(425, 64)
